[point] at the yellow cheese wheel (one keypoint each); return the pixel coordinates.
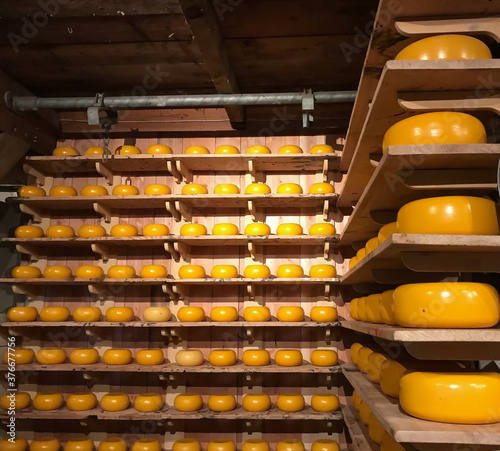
(257, 228)
(257, 272)
(127, 150)
(117, 356)
(390, 375)
(79, 445)
(221, 402)
(22, 314)
(190, 314)
(364, 413)
(321, 188)
(449, 215)
(154, 272)
(289, 271)
(94, 150)
(64, 151)
(257, 149)
(125, 190)
(446, 305)
(371, 244)
(373, 312)
(362, 309)
(288, 357)
(289, 229)
(155, 230)
(149, 357)
(325, 445)
(386, 231)
(51, 356)
(256, 402)
(194, 188)
(191, 229)
(290, 149)
(17, 401)
(81, 401)
(148, 402)
(54, 314)
(84, 356)
(223, 314)
(94, 190)
(119, 314)
(156, 314)
(324, 357)
(89, 272)
(19, 356)
(189, 357)
(321, 148)
(290, 445)
(192, 272)
(256, 357)
(91, 231)
(352, 262)
(289, 188)
(114, 402)
(87, 314)
(257, 313)
(120, 230)
(112, 444)
(224, 272)
(63, 191)
(376, 362)
(226, 188)
(375, 429)
(159, 149)
(147, 444)
(255, 444)
(389, 444)
(188, 402)
(290, 402)
(355, 348)
(363, 354)
(226, 150)
(45, 444)
(121, 272)
(290, 313)
(322, 229)
(222, 357)
(48, 401)
(360, 254)
(57, 272)
(221, 445)
(386, 309)
(28, 231)
(353, 309)
(31, 191)
(186, 444)
(196, 150)
(225, 229)
(356, 399)
(258, 188)
(322, 271)
(60, 231)
(445, 47)
(467, 398)
(323, 314)
(157, 189)
(324, 402)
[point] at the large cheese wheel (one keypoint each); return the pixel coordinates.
(449, 215)
(468, 398)
(446, 305)
(435, 128)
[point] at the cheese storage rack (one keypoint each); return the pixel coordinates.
(173, 251)
(376, 186)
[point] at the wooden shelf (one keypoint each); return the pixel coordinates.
(306, 368)
(442, 170)
(387, 41)
(404, 428)
(459, 76)
(404, 258)
(166, 413)
(361, 441)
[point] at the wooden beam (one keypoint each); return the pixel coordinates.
(39, 131)
(206, 34)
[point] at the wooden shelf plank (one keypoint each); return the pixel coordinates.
(174, 368)
(361, 441)
(155, 163)
(407, 429)
(168, 324)
(386, 42)
(405, 334)
(442, 170)
(166, 413)
(404, 76)
(417, 254)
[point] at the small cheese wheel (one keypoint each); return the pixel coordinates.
(221, 445)
(376, 361)
(466, 398)
(223, 402)
(371, 245)
(257, 314)
(258, 149)
(386, 231)
(112, 444)
(117, 356)
(81, 401)
(156, 314)
(325, 445)
(196, 150)
(121, 272)
(356, 399)
(84, 356)
(189, 357)
(324, 357)
(114, 402)
(79, 445)
(54, 314)
(51, 356)
(290, 314)
(65, 151)
(119, 314)
(226, 150)
(257, 228)
(288, 357)
(124, 230)
(60, 231)
(191, 314)
(224, 272)
(363, 354)
(290, 149)
(191, 272)
(155, 230)
(147, 444)
(63, 191)
(255, 444)
(94, 150)
(225, 229)
(29, 231)
(323, 314)
(324, 402)
(22, 314)
(149, 357)
(289, 271)
(289, 188)
(148, 402)
(290, 402)
(194, 189)
(222, 357)
(31, 191)
(186, 444)
(446, 305)
(355, 348)
(256, 357)
(321, 148)
(159, 149)
(48, 401)
(224, 314)
(15, 401)
(127, 150)
(290, 445)
(188, 402)
(257, 272)
(256, 402)
(87, 314)
(89, 272)
(19, 356)
(364, 413)
(94, 190)
(57, 272)
(157, 189)
(322, 271)
(125, 190)
(45, 444)
(154, 272)
(226, 188)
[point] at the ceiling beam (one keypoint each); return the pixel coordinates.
(206, 34)
(38, 130)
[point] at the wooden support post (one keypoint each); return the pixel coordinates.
(30, 250)
(184, 210)
(35, 213)
(102, 250)
(184, 172)
(103, 210)
(176, 214)
(172, 168)
(170, 248)
(110, 177)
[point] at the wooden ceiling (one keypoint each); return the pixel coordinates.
(187, 46)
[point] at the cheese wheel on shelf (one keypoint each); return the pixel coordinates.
(390, 375)
(48, 401)
(147, 444)
(386, 309)
(186, 444)
(45, 444)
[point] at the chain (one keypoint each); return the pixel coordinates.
(105, 142)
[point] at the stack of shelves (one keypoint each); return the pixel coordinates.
(377, 185)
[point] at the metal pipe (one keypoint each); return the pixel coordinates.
(28, 103)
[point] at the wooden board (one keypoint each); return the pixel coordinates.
(404, 428)
(406, 76)
(407, 173)
(386, 42)
(426, 253)
(361, 441)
